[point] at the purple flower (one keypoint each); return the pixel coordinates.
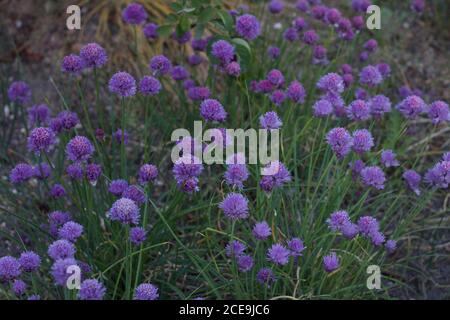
(91, 289)
(373, 177)
(318, 11)
(438, 112)
(147, 173)
(29, 261)
(296, 247)
(223, 51)
(70, 231)
(278, 254)
(20, 173)
(125, 211)
(384, 69)
(134, 193)
(360, 5)
(370, 76)
(265, 86)
(93, 172)
(235, 206)
(322, 108)
(79, 148)
(296, 92)
(364, 56)
(275, 6)
(199, 44)
(446, 156)
(233, 69)
(439, 175)
(332, 16)
(199, 93)
(358, 110)
(388, 159)
(93, 55)
(340, 141)
(151, 31)
(265, 276)
(34, 297)
(123, 84)
(331, 262)
(337, 219)
(379, 105)
(179, 73)
(248, 27)
(19, 287)
(212, 110)
(367, 225)
(361, 94)
(41, 139)
(117, 187)
(377, 238)
(273, 52)
(356, 168)
(290, 34)
(138, 235)
(183, 38)
(411, 106)
(235, 249)
(391, 246)
(261, 230)
(134, 13)
(245, 263)
(358, 22)
(349, 230)
(72, 64)
(371, 45)
(346, 69)
(278, 97)
(38, 114)
(418, 5)
(188, 84)
(186, 171)
(320, 55)
(19, 92)
(61, 249)
(9, 268)
(149, 86)
(68, 120)
(310, 37)
(412, 178)
(275, 175)
(270, 120)
(275, 77)
(57, 219)
(119, 137)
(59, 270)
(146, 291)
(302, 5)
(236, 175)
(331, 83)
(195, 59)
(362, 141)
(160, 65)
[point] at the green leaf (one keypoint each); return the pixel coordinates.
(207, 15)
(183, 26)
(165, 30)
(176, 6)
(244, 52)
(227, 20)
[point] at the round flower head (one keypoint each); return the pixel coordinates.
(296, 92)
(438, 112)
(233, 69)
(377, 238)
(340, 141)
(348, 79)
(270, 120)
(188, 84)
(72, 64)
(186, 171)
(261, 230)
(418, 5)
(379, 105)
(275, 175)
(235, 248)
(360, 5)
(59, 270)
(439, 175)
(151, 31)
(179, 73)
(275, 77)
(42, 171)
(138, 235)
(358, 22)
(273, 52)
(248, 27)
(361, 94)
(265, 276)
(117, 187)
(19, 287)
(9, 268)
(367, 225)
(119, 137)
(147, 173)
(236, 175)
(20, 173)
(331, 83)
(160, 65)
(91, 289)
(29, 261)
(70, 231)
(332, 16)
(362, 141)
(93, 55)
(79, 148)
(371, 45)
(275, 6)
(373, 177)
(337, 219)
(57, 219)
(302, 5)
(38, 114)
(446, 156)
(318, 11)
(93, 172)
(194, 59)
(331, 262)
(61, 249)
(212, 110)
(370, 76)
(388, 159)
(68, 120)
(75, 171)
(245, 263)
(412, 179)
(134, 13)
(34, 297)
(296, 247)
(199, 93)
(199, 44)
(384, 69)
(41, 139)
(136, 194)
(310, 37)
(122, 84)
(183, 38)
(349, 230)
(358, 110)
(19, 92)
(125, 211)
(223, 51)
(411, 106)
(235, 206)
(278, 254)
(356, 168)
(265, 86)
(391, 246)
(146, 291)
(278, 97)
(322, 108)
(149, 86)
(290, 34)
